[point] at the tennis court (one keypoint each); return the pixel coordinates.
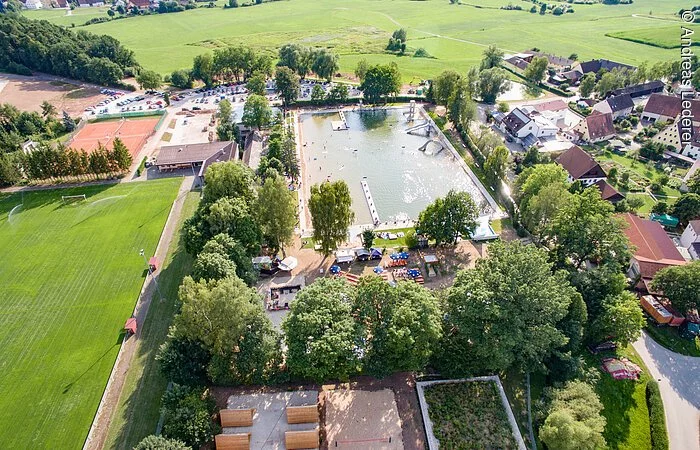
(133, 132)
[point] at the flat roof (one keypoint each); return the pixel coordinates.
(196, 153)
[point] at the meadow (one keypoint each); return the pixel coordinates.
(70, 277)
(663, 37)
(454, 35)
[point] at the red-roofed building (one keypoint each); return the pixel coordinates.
(609, 193)
(653, 250)
(595, 128)
(581, 166)
(665, 108)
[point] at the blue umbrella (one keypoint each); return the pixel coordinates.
(335, 269)
(403, 255)
(413, 272)
(395, 256)
(378, 269)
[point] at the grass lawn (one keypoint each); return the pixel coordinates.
(70, 278)
(669, 338)
(395, 243)
(454, 35)
(139, 405)
(664, 37)
(469, 415)
(648, 202)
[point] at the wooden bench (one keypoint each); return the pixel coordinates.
(302, 414)
(238, 441)
(236, 417)
(295, 440)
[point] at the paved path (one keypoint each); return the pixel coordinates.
(679, 381)
(110, 399)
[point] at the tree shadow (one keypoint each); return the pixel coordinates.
(70, 385)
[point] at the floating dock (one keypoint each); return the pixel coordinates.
(370, 202)
(340, 125)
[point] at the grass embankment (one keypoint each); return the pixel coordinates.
(455, 35)
(668, 37)
(70, 277)
(469, 415)
(138, 410)
(669, 338)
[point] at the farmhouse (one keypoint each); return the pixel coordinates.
(639, 90)
(654, 250)
(596, 65)
(525, 127)
(581, 166)
(140, 4)
(33, 4)
(619, 106)
(665, 108)
(690, 239)
(201, 156)
(595, 128)
(671, 137)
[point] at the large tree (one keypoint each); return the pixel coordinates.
(154, 442)
(587, 85)
(537, 69)
(400, 325)
(320, 333)
(380, 81)
(492, 57)
(257, 112)
(505, 312)
(276, 212)
(229, 179)
(681, 284)
(444, 86)
(256, 83)
(621, 320)
(574, 421)
(287, 85)
(492, 83)
(331, 215)
(149, 79)
(203, 68)
(223, 244)
(496, 164)
(687, 207)
(447, 218)
(325, 63)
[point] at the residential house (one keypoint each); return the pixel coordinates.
(609, 193)
(517, 61)
(596, 65)
(639, 90)
(553, 110)
(654, 250)
(619, 106)
(525, 128)
(90, 3)
(253, 150)
(60, 4)
(665, 108)
(140, 4)
(197, 157)
(690, 239)
(671, 137)
(581, 166)
(595, 128)
(33, 4)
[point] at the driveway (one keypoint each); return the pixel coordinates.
(679, 381)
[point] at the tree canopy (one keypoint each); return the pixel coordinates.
(257, 112)
(276, 212)
(681, 284)
(447, 218)
(331, 215)
(380, 81)
(287, 85)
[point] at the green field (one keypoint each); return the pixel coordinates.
(455, 35)
(70, 277)
(663, 37)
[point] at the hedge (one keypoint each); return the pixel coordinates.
(657, 418)
(324, 102)
(546, 87)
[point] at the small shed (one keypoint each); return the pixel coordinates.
(665, 220)
(130, 326)
(362, 254)
(153, 263)
(288, 264)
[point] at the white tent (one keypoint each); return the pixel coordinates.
(288, 264)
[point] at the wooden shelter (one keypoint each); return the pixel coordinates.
(153, 263)
(236, 417)
(238, 441)
(302, 414)
(294, 440)
(130, 326)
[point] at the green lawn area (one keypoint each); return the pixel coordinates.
(70, 277)
(139, 405)
(388, 243)
(648, 202)
(469, 415)
(669, 338)
(454, 35)
(664, 37)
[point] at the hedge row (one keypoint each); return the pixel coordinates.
(324, 102)
(657, 418)
(546, 87)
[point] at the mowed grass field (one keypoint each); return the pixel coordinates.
(455, 35)
(70, 277)
(664, 37)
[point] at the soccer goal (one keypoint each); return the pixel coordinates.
(73, 198)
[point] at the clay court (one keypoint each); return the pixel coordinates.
(133, 132)
(363, 420)
(27, 93)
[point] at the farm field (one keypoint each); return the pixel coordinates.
(663, 37)
(71, 275)
(454, 35)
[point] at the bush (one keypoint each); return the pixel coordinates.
(411, 239)
(187, 412)
(153, 442)
(657, 419)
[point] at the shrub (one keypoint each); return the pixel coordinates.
(153, 442)
(421, 53)
(657, 419)
(411, 239)
(187, 412)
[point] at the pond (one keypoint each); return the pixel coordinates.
(403, 172)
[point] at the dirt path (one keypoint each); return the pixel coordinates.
(680, 390)
(110, 399)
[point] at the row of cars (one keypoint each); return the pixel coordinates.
(100, 107)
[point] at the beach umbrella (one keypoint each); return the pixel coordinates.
(288, 264)
(378, 269)
(335, 269)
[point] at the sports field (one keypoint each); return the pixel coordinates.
(70, 277)
(133, 132)
(455, 35)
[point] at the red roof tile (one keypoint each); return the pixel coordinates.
(580, 164)
(654, 249)
(600, 126)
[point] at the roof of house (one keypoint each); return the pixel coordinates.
(595, 65)
(696, 246)
(695, 225)
(254, 146)
(639, 90)
(515, 120)
(663, 105)
(140, 3)
(552, 105)
(580, 164)
(62, 3)
(553, 59)
(573, 74)
(600, 126)
(609, 193)
(196, 153)
(620, 102)
(518, 62)
(654, 249)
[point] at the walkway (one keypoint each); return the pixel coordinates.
(679, 381)
(370, 202)
(110, 399)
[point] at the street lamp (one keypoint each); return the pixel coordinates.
(150, 272)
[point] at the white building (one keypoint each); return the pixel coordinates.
(690, 239)
(33, 4)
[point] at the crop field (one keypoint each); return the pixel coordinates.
(454, 35)
(70, 277)
(663, 37)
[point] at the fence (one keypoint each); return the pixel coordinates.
(127, 115)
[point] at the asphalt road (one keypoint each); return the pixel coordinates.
(679, 381)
